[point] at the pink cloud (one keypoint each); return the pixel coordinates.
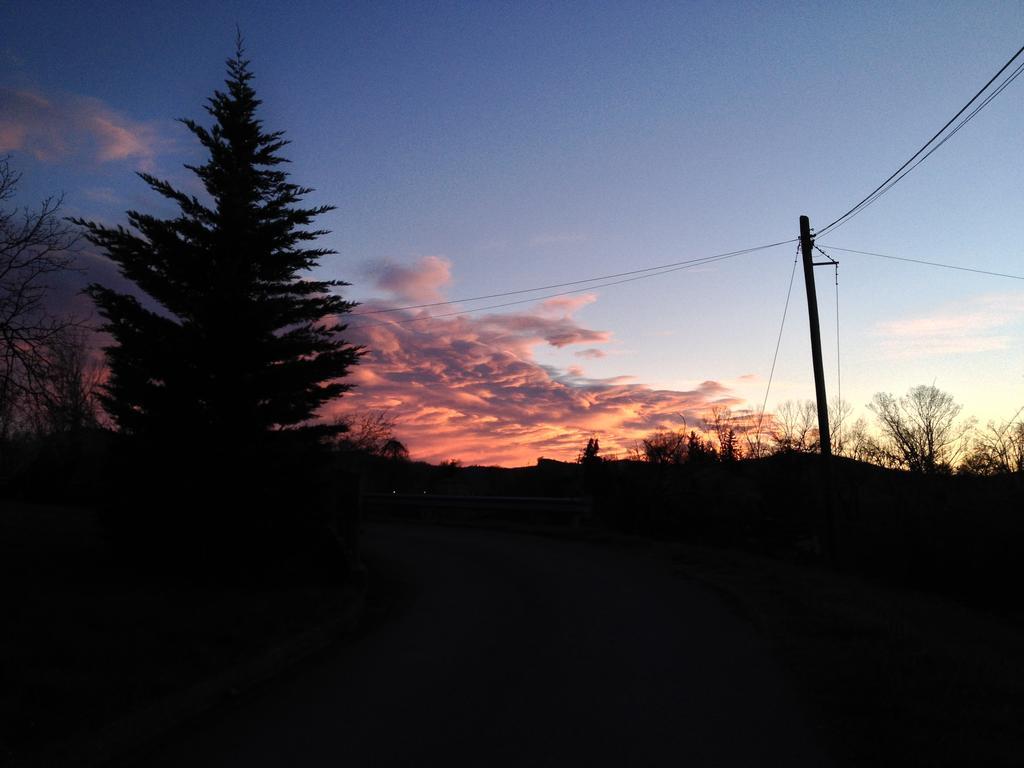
(978, 324)
(558, 332)
(591, 354)
(566, 305)
(52, 129)
(419, 283)
(468, 387)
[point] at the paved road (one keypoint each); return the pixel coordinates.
(511, 650)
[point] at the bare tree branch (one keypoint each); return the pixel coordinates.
(35, 245)
(999, 448)
(920, 431)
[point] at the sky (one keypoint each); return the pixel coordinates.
(480, 148)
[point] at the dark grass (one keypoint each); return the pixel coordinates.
(89, 638)
(894, 677)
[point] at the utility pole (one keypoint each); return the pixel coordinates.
(806, 248)
(828, 510)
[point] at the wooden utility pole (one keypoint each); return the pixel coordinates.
(806, 248)
(825, 440)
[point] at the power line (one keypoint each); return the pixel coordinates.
(686, 265)
(668, 267)
(929, 263)
(1010, 78)
(885, 186)
(839, 362)
(672, 268)
(839, 358)
(778, 343)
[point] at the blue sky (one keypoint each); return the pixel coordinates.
(521, 144)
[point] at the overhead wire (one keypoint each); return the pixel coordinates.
(778, 343)
(839, 369)
(634, 276)
(423, 318)
(572, 282)
(1013, 76)
(839, 359)
(874, 198)
(929, 263)
(603, 281)
(892, 179)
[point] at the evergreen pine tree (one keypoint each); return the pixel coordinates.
(230, 346)
(589, 455)
(729, 450)
(699, 450)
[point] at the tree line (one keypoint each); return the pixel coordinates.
(46, 381)
(921, 432)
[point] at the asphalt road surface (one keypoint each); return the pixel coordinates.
(511, 650)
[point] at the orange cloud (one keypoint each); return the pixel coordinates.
(52, 129)
(468, 387)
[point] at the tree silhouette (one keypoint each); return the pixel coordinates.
(232, 347)
(698, 450)
(395, 450)
(729, 449)
(35, 246)
(66, 404)
(365, 432)
(241, 344)
(998, 449)
(919, 431)
(794, 427)
(589, 454)
(665, 447)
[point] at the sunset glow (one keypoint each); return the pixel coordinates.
(471, 388)
(486, 152)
